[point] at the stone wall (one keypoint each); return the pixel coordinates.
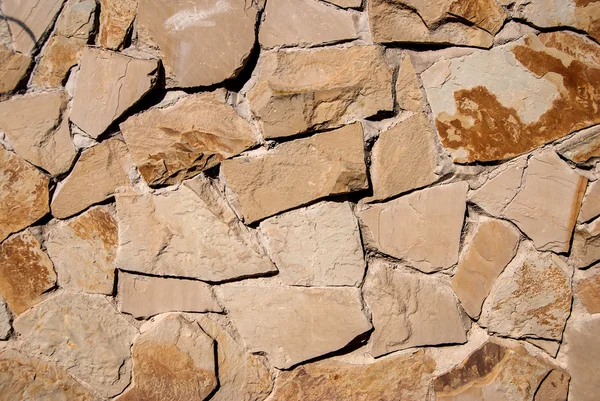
(300, 200)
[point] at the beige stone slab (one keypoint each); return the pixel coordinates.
(585, 250)
(302, 323)
(13, 67)
(116, 18)
(590, 208)
(408, 88)
(108, 84)
(300, 90)
(587, 290)
(297, 172)
(582, 350)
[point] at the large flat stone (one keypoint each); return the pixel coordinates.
(116, 18)
(294, 324)
(410, 310)
(582, 349)
(316, 246)
(299, 90)
(481, 116)
(297, 172)
(13, 69)
(201, 42)
(585, 250)
(197, 132)
(422, 228)
(108, 84)
(186, 232)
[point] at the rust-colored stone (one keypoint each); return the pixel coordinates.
(588, 291)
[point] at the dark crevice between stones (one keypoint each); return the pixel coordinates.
(216, 356)
(226, 281)
(561, 28)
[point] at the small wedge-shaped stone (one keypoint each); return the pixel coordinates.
(5, 320)
(404, 376)
(85, 335)
(108, 84)
(404, 158)
(410, 310)
(38, 130)
(25, 271)
(531, 299)
(173, 361)
(242, 376)
(187, 232)
(408, 89)
(490, 251)
(493, 372)
(202, 42)
(23, 194)
(590, 208)
(298, 172)
(13, 68)
(298, 91)
(481, 116)
(84, 250)
(582, 147)
(422, 228)
(304, 23)
(174, 143)
(586, 245)
(23, 378)
(295, 324)
(97, 174)
(587, 289)
(116, 18)
(316, 246)
(144, 296)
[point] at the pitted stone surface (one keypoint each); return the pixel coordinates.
(116, 18)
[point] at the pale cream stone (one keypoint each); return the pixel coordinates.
(5, 320)
(108, 84)
(85, 335)
(297, 172)
(590, 208)
(13, 68)
(586, 245)
(551, 347)
(143, 296)
(116, 18)
(583, 353)
(96, 176)
(300, 90)
(38, 130)
(316, 246)
(408, 88)
(512, 31)
(423, 228)
(186, 232)
(294, 324)
(410, 310)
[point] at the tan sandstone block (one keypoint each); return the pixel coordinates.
(583, 147)
(582, 349)
(587, 289)
(586, 245)
(13, 67)
(590, 208)
(116, 18)
(408, 88)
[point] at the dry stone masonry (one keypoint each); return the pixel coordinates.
(299, 200)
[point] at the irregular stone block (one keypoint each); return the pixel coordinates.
(108, 84)
(422, 228)
(590, 208)
(587, 290)
(186, 232)
(299, 91)
(174, 143)
(583, 146)
(297, 172)
(555, 387)
(116, 18)
(586, 245)
(13, 69)
(582, 349)
(5, 320)
(295, 324)
(316, 246)
(408, 88)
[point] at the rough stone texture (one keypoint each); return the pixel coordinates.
(13, 68)
(242, 376)
(25, 271)
(408, 88)
(587, 290)
(404, 158)
(5, 320)
(173, 361)
(481, 116)
(196, 133)
(74, 27)
(493, 246)
(23, 194)
(425, 21)
(29, 21)
(493, 372)
(83, 251)
(590, 208)
(144, 296)
(555, 387)
(85, 335)
(38, 130)
(97, 174)
(422, 228)
(187, 232)
(346, 3)
(116, 18)
(304, 23)
(586, 244)
(299, 325)
(23, 378)
(299, 91)
(410, 310)
(297, 172)
(583, 352)
(583, 146)
(316, 246)
(108, 84)
(531, 299)
(192, 36)
(405, 376)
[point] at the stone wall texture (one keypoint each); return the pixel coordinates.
(299, 200)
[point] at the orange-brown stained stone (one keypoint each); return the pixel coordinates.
(25, 271)
(588, 292)
(116, 17)
(486, 14)
(403, 377)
